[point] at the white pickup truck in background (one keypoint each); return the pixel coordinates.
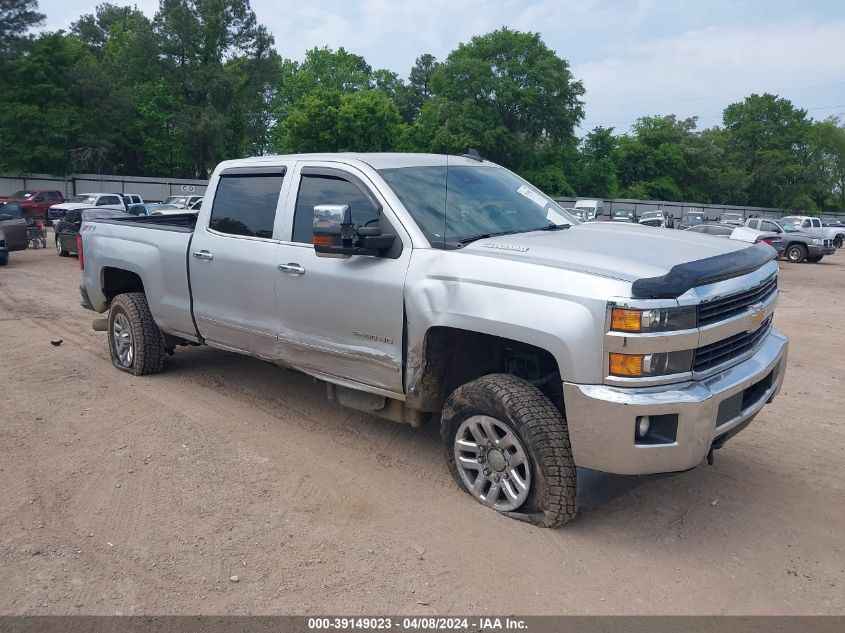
(808, 224)
(424, 287)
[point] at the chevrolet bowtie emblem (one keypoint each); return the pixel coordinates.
(757, 318)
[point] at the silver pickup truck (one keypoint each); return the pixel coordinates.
(424, 286)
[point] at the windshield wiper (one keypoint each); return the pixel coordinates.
(555, 227)
(483, 236)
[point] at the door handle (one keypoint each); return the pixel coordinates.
(295, 269)
(203, 255)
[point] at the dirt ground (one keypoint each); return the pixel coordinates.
(125, 495)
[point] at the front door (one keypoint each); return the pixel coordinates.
(341, 317)
(231, 259)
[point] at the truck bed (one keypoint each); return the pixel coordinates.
(182, 222)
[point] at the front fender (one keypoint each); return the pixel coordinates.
(560, 311)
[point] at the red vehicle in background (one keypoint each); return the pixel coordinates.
(35, 202)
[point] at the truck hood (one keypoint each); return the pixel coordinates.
(620, 251)
(70, 206)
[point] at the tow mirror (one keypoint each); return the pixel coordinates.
(335, 235)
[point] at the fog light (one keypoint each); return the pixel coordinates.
(643, 426)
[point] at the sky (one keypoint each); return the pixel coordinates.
(635, 58)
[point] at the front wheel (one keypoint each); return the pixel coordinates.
(507, 445)
(796, 253)
(838, 241)
(4, 259)
(136, 345)
(815, 259)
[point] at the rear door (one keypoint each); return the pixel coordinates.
(341, 316)
(68, 230)
(231, 260)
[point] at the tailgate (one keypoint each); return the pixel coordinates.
(14, 232)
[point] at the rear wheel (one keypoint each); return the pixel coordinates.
(4, 259)
(507, 445)
(796, 253)
(136, 345)
(838, 241)
(62, 252)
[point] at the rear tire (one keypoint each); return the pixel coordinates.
(796, 253)
(62, 252)
(838, 241)
(4, 259)
(136, 344)
(507, 406)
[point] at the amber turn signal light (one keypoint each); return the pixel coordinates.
(630, 365)
(322, 240)
(625, 320)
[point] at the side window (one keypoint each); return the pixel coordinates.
(40, 197)
(52, 195)
(246, 204)
(108, 200)
(817, 223)
(805, 224)
(314, 190)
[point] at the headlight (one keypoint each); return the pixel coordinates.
(817, 242)
(652, 320)
(646, 365)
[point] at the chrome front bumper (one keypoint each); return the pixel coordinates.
(602, 419)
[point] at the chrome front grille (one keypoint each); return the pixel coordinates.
(720, 352)
(726, 307)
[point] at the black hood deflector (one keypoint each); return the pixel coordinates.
(704, 271)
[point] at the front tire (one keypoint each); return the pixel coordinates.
(4, 259)
(838, 241)
(815, 259)
(507, 445)
(796, 253)
(136, 344)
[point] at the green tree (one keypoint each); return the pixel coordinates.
(767, 139)
(16, 18)
(505, 93)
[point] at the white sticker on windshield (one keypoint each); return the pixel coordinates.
(533, 196)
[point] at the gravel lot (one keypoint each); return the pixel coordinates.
(149, 495)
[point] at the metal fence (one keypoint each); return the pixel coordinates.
(678, 209)
(150, 189)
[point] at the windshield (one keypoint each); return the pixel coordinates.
(176, 200)
(694, 217)
(23, 194)
(651, 214)
(732, 216)
(787, 227)
(84, 198)
(623, 214)
(458, 204)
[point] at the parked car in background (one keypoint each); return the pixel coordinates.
(835, 234)
(166, 209)
(741, 233)
(623, 215)
(734, 219)
(655, 218)
(35, 202)
(13, 235)
(67, 228)
(131, 198)
(753, 236)
(85, 201)
(183, 201)
(590, 208)
(691, 219)
(196, 205)
(798, 246)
